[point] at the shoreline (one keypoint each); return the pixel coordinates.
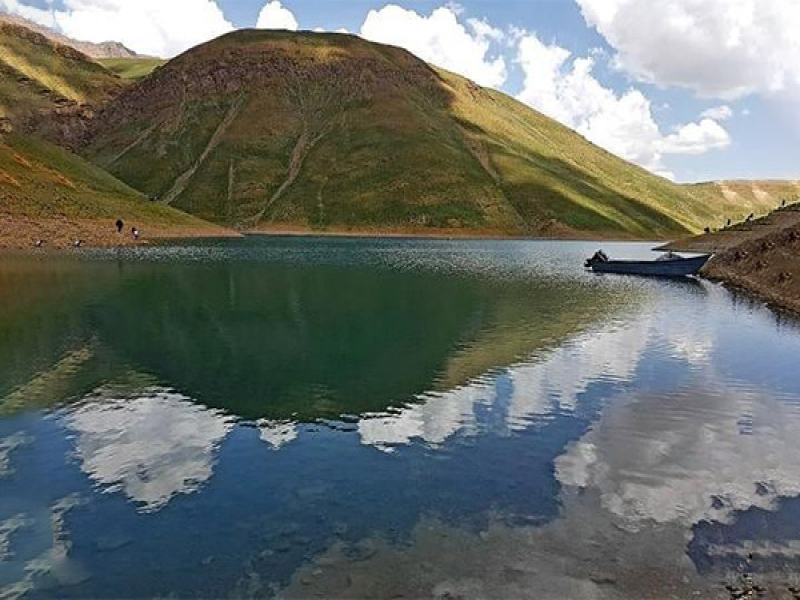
(21, 233)
(758, 258)
(440, 234)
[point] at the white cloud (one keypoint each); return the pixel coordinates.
(718, 48)
(440, 39)
(566, 89)
(275, 16)
(696, 138)
(718, 113)
(155, 27)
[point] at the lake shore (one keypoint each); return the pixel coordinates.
(759, 257)
(19, 232)
(437, 233)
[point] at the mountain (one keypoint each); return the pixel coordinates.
(282, 130)
(47, 83)
(47, 192)
(90, 49)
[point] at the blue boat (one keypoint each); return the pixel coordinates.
(668, 265)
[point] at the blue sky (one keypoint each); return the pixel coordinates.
(694, 90)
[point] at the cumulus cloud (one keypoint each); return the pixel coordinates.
(151, 27)
(276, 16)
(718, 113)
(696, 138)
(565, 88)
(719, 48)
(440, 39)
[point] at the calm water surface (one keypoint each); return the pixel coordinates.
(351, 417)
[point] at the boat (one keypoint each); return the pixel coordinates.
(667, 265)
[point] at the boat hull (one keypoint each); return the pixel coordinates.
(680, 267)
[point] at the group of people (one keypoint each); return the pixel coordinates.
(121, 226)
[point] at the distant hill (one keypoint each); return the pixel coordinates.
(131, 69)
(271, 130)
(90, 49)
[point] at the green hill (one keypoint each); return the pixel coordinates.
(131, 68)
(49, 193)
(264, 130)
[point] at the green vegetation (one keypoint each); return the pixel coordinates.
(131, 69)
(265, 129)
(38, 75)
(41, 181)
(257, 129)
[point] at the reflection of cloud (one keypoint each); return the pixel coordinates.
(277, 433)
(151, 447)
(536, 389)
(54, 562)
(434, 420)
(7, 446)
(8, 528)
(608, 355)
(691, 456)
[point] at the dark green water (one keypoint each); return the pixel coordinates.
(352, 417)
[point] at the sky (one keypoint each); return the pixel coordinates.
(693, 90)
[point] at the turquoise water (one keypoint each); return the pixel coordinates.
(360, 417)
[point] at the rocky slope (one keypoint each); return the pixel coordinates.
(761, 256)
(278, 130)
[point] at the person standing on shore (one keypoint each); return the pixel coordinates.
(120, 225)
(135, 233)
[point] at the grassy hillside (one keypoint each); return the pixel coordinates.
(48, 193)
(131, 69)
(38, 75)
(265, 129)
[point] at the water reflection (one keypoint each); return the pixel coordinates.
(368, 418)
(150, 446)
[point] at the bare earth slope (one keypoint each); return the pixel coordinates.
(274, 130)
(761, 256)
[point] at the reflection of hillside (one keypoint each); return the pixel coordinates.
(48, 346)
(526, 326)
(274, 341)
(518, 396)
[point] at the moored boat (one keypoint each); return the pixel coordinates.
(668, 265)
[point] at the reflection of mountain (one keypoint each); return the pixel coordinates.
(537, 389)
(151, 447)
(286, 342)
(43, 326)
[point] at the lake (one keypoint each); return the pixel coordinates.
(346, 417)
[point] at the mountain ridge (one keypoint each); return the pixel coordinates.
(107, 49)
(307, 132)
(266, 129)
